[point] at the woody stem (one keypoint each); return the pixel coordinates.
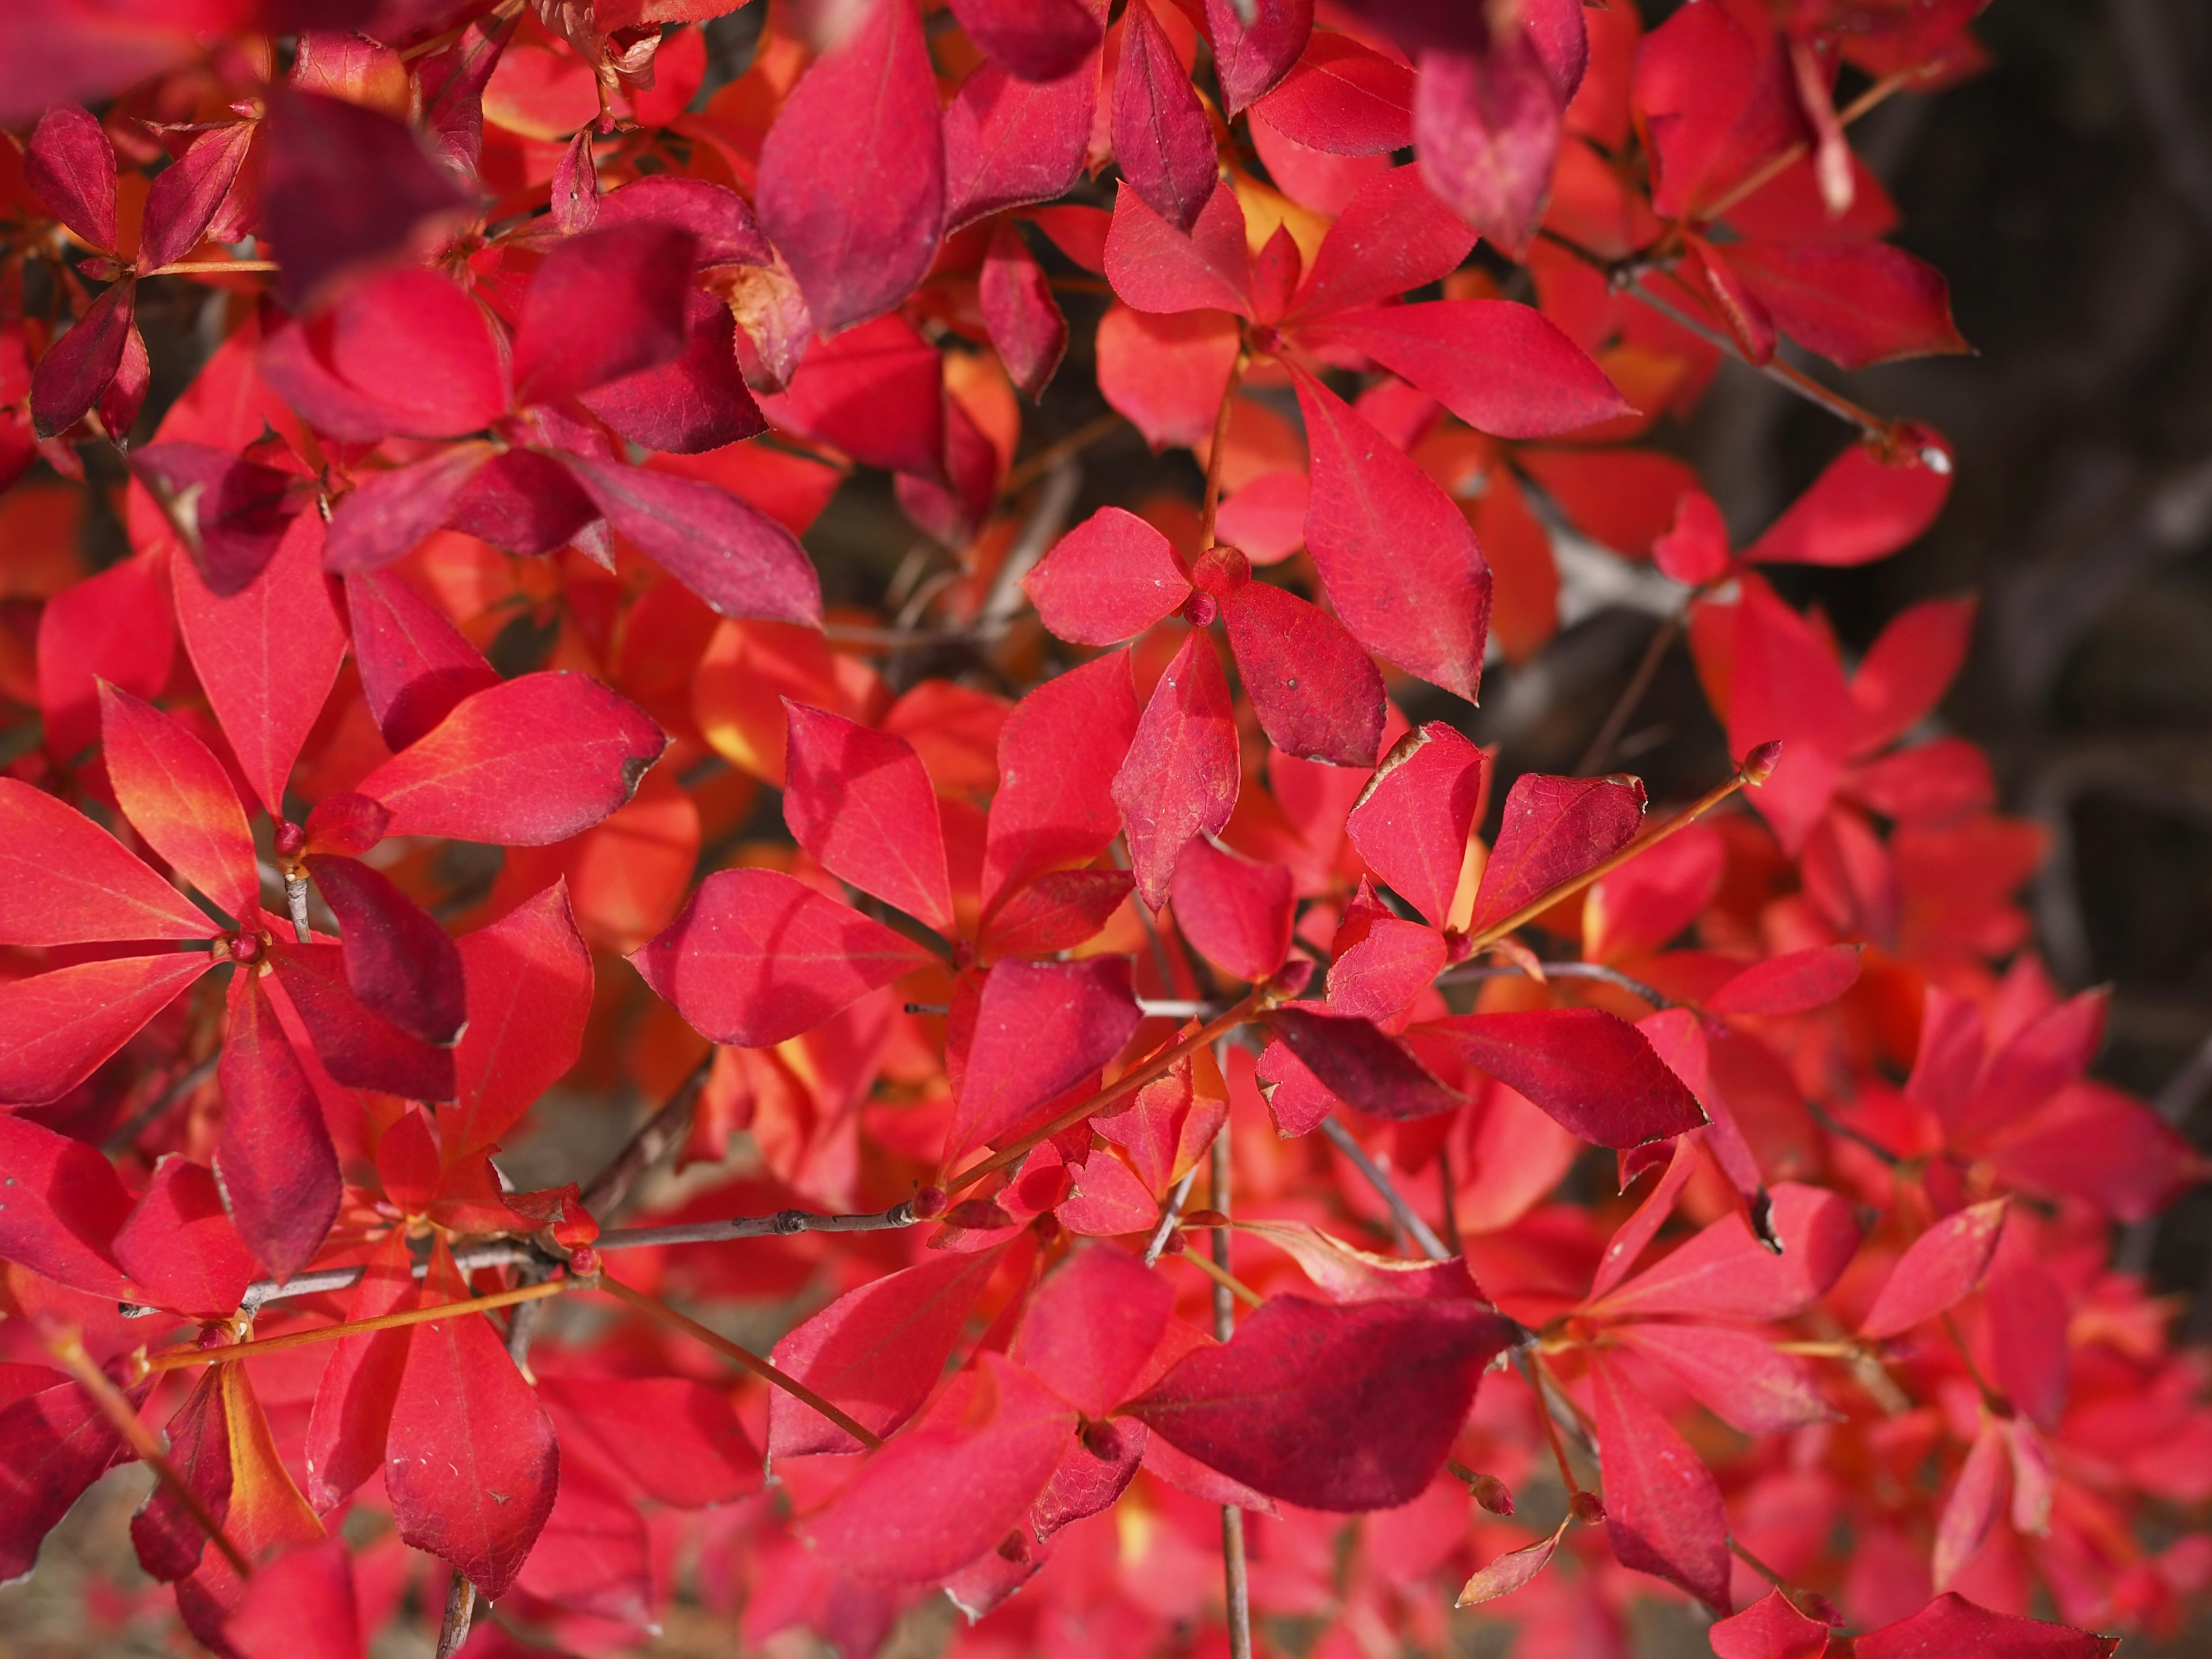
(179, 1359)
(1236, 1576)
(460, 1613)
(1214, 452)
(69, 1349)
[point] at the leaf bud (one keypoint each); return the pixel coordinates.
(1587, 1508)
(291, 839)
(929, 1203)
(1759, 765)
(584, 1260)
(1493, 1494)
(1219, 572)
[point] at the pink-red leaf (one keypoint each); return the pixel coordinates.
(1662, 1507)
(179, 1244)
(605, 304)
(852, 174)
(177, 796)
(1770, 1628)
(55, 1027)
(1399, 560)
(697, 1455)
(1317, 694)
(1724, 1272)
(301, 1606)
(61, 1206)
(1394, 235)
(1330, 1407)
(861, 801)
(1008, 141)
(1976, 1498)
(471, 1466)
(1937, 1270)
(1036, 39)
(1951, 1626)
(1789, 983)
(1155, 267)
(1856, 303)
(1058, 911)
(1180, 777)
(1250, 58)
(187, 194)
(1595, 1073)
(1059, 753)
(876, 1352)
(54, 1442)
(278, 1167)
(1092, 1325)
(415, 665)
(1040, 1028)
(1412, 820)
(1234, 911)
(1735, 1375)
(1502, 367)
(1863, 506)
(1343, 97)
(1025, 321)
(1907, 669)
(1109, 579)
(756, 957)
(352, 1412)
(64, 880)
(1487, 121)
(525, 763)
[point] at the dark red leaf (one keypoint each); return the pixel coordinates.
(187, 194)
(604, 305)
(1162, 138)
(358, 1046)
(1364, 1068)
(54, 1442)
(524, 763)
(1155, 267)
(71, 164)
(756, 957)
(398, 960)
(78, 366)
(852, 174)
(1251, 59)
(1317, 694)
(1330, 1407)
(1593, 1074)
(692, 404)
(1180, 774)
(61, 1206)
(236, 511)
(1553, 830)
(1036, 39)
(1026, 327)
(279, 1169)
(1662, 1508)
(1008, 141)
(352, 1412)
(415, 665)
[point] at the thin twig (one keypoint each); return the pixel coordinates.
(67, 1348)
(1023, 473)
(655, 1308)
(1235, 1573)
(1170, 1216)
(1226, 1284)
(460, 1613)
(1219, 448)
(783, 1225)
(179, 1359)
(1631, 696)
(1048, 518)
(1472, 972)
(1432, 1246)
(324, 1281)
(1874, 95)
(655, 1139)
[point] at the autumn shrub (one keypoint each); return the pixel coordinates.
(1113, 1083)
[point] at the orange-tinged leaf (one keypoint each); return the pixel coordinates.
(177, 795)
(64, 880)
(55, 1027)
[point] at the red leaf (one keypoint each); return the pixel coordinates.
(1058, 911)
(604, 305)
(1251, 59)
(1972, 1509)
(877, 1351)
(71, 164)
(1109, 579)
(177, 796)
(187, 194)
(62, 1209)
(1235, 912)
(406, 352)
(119, 626)
(54, 1442)
(1366, 1068)
(1040, 1028)
(1397, 557)
(1790, 983)
(352, 1411)
(343, 185)
(1856, 303)
(1951, 1625)
(1349, 1406)
(1092, 1325)
(1008, 141)
(180, 1246)
(954, 1485)
(64, 880)
(300, 1606)
(1487, 121)
(525, 763)
(1036, 39)
(1379, 963)
(1862, 507)
(694, 403)
(1162, 138)
(1553, 830)
(696, 1455)
(1502, 367)
(266, 657)
(1026, 327)
(860, 802)
(1787, 684)
(1394, 235)
(169, 1540)
(1738, 1377)
(1593, 1072)
(56, 1027)
(1662, 1509)
(1317, 694)
(1906, 670)
(78, 366)
(1179, 778)
(1343, 97)
(471, 1466)
(1503, 1574)
(852, 174)
(2026, 1312)
(279, 1169)
(358, 1046)
(1770, 1628)
(737, 558)
(415, 665)
(400, 963)
(1167, 375)
(756, 957)
(1412, 820)
(1154, 267)
(1725, 1273)
(720, 219)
